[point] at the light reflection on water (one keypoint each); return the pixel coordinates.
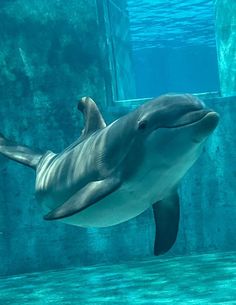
(202, 279)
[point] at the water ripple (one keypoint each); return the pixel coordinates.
(174, 23)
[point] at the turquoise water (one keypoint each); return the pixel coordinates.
(175, 23)
(201, 279)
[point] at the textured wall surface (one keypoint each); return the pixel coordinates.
(51, 51)
(208, 212)
(47, 47)
(226, 44)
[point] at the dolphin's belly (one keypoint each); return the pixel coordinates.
(122, 205)
(130, 200)
(116, 208)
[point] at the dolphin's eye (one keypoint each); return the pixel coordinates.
(142, 125)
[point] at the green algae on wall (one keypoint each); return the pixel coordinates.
(226, 44)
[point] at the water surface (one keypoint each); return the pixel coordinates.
(174, 23)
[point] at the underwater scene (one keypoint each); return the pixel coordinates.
(117, 152)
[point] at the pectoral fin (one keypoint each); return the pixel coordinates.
(166, 214)
(85, 197)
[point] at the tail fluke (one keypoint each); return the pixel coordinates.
(21, 154)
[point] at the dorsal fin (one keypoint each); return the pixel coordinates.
(93, 119)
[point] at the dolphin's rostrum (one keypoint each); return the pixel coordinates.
(113, 173)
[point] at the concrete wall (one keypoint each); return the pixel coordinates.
(115, 26)
(51, 51)
(226, 45)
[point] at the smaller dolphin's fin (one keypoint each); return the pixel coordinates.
(93, 119)
(21, 154)
(85, 197)
(166, 214)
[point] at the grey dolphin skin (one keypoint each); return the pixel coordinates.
(113, 173)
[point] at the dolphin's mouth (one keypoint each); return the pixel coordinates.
(195, 117)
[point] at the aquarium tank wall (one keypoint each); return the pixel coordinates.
(118, 52)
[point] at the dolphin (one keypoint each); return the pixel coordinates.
(114, 173)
